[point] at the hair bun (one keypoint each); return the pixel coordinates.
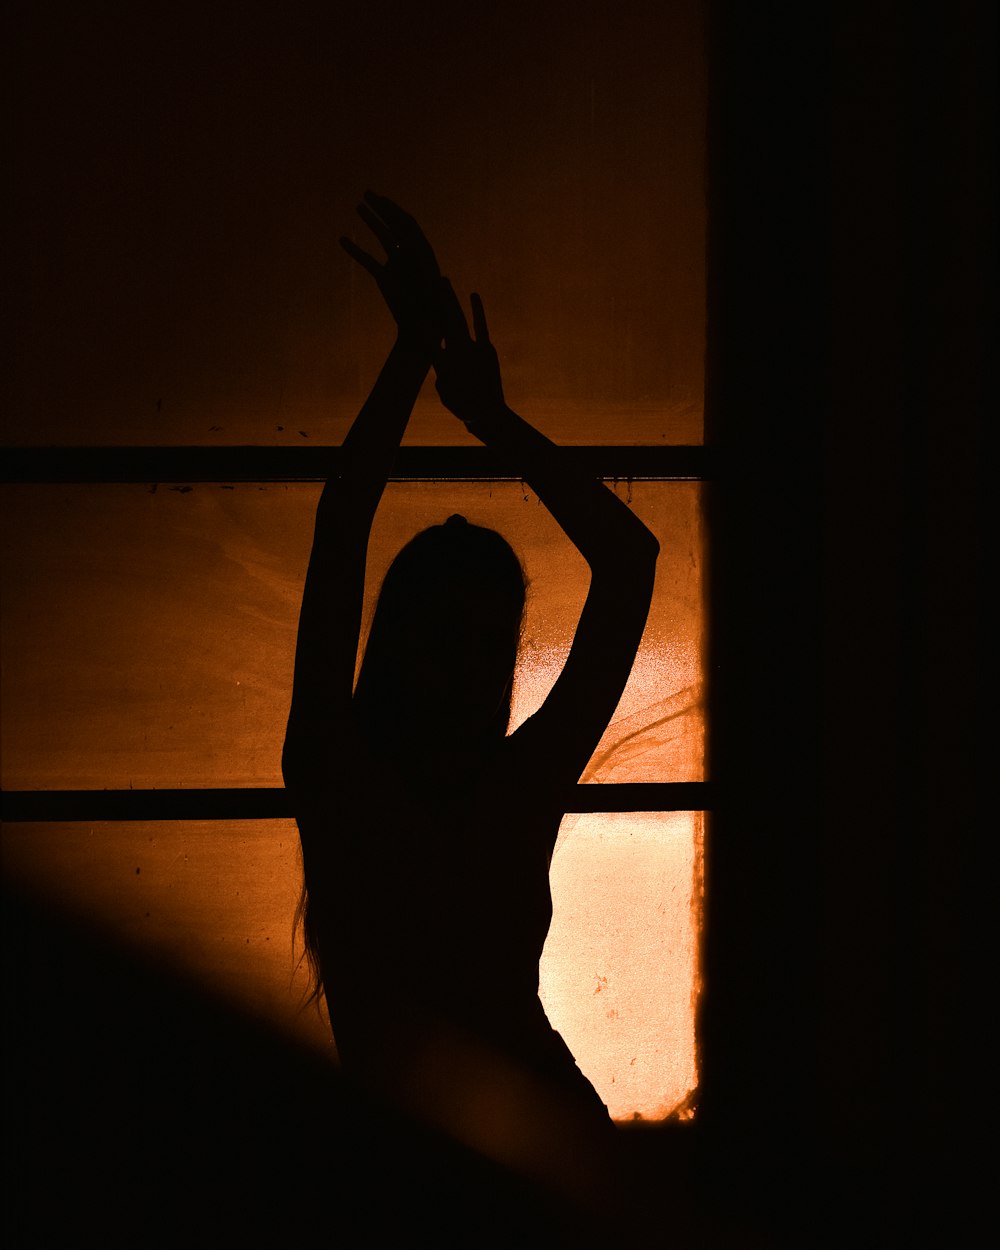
(457, 521)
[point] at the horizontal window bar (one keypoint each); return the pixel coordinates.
(268, 804)
(23, 465)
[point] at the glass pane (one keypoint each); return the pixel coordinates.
(619, 975)
(149, 633)
(216, 899)
(181, 177)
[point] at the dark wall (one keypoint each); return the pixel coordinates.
(851, 197)
(182, 173)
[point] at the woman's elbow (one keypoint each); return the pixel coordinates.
(629, 549)
(629, 573)
(639, 553)
(650, 546)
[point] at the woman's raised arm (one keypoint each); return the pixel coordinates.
(330, 616)
(619, 549)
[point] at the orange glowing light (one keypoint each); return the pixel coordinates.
(109, 684)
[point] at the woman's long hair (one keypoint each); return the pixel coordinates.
(444, 635)
(442, 645)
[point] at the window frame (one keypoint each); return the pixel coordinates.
(187, 465)
(39, 466)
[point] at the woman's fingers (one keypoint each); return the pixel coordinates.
(378, 227)
(479, 327)
(404, 228)
(362, 257)
(390, 211)
(452, 316)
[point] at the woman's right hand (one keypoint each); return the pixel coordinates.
(409, 278)
(467, 368)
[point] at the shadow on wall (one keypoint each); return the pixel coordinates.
(139, 1111)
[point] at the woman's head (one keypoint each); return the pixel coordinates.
(443, 643)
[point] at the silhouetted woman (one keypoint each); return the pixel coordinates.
(426, 828)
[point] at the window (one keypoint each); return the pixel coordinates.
(149, 635)
(190, 350)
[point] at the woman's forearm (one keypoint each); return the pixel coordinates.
(373, 440)
(333, 596)
(601, 527)
(330, 617)
(597, 522)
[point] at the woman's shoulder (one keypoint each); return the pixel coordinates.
(540, 756)
(337, 761)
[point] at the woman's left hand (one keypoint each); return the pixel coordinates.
(409, 278)
(468, 371)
